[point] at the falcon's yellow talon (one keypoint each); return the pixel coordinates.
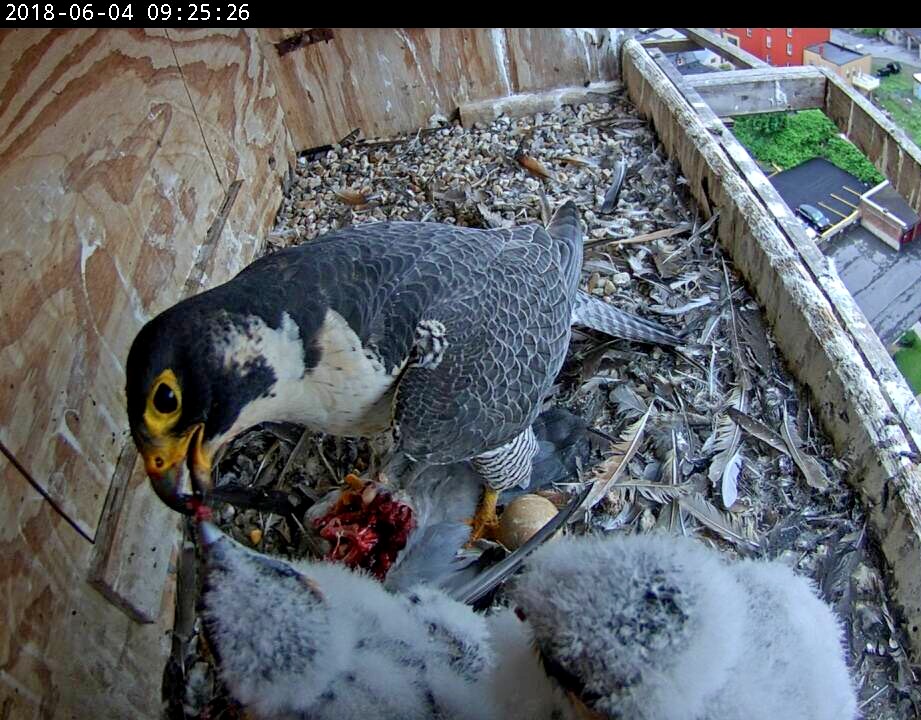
(485, 522)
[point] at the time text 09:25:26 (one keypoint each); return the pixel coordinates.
(125, 12)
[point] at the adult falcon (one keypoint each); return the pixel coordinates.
(450, 337)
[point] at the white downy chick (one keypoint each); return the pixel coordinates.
(792, 663)
(318, 640)
(659, 628)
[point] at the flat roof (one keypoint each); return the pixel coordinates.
(835, 53)
(814, 181)
(888, 198)
(883, 281)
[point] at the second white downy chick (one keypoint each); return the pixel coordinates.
(656, 627)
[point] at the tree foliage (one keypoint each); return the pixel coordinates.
(788, 139)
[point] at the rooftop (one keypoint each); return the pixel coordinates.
(889, 199)
(834, 53)
(883, 281)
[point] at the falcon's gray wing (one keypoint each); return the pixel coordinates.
(506, 305)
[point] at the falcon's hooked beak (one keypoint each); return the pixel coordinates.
(163, 459)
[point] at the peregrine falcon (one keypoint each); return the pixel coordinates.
(449, 337)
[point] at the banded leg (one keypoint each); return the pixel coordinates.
(502, 468)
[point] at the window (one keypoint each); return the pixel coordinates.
(789, 32)
(748, 32)
(767, 58)
(767, 41)
(789, 48)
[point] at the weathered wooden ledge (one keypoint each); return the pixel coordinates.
(859, 396)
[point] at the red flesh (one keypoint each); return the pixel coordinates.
(367, 529)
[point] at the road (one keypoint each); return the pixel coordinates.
(876, 47)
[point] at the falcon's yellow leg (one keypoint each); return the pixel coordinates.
(485, 522)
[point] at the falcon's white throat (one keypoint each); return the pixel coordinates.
(349, 392)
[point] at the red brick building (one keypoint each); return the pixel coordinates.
(777, 46)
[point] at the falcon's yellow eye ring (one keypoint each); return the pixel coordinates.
(164, 404)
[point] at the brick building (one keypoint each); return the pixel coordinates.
(777, 46)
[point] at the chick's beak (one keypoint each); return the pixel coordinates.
(163, 462)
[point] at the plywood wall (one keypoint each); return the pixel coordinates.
(385, 81)
(138, 167)
(117, 153)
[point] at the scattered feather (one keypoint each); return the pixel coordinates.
(613, 194)
(533, 166)
(355, 198)
(722, 523)
(654, 491)
(627, 401)
(725, 443)
(729, 482)
(758, 430)
(808, 465)
(687, 307)
(612, 468)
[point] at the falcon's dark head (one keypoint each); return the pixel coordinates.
(197, 375)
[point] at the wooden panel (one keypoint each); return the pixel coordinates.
(387, 81)
(384, 81)
(822, 335)
(64, 650)
(747, 92)
(232, 88)
(241, 121)
(543, 58)
(485, 111)
(106, 193)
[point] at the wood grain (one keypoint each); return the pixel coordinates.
(387, 81)
(105, 199)
(63, 647)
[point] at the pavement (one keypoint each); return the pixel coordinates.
(883, 281)
(876, 47)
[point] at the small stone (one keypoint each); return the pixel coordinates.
(255, 536)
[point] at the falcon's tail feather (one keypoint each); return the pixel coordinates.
(594, 313)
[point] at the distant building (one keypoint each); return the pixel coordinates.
(776, 46)
(850, 65)
(909, 37)
(887, 215)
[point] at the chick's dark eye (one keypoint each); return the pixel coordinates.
(164, 399)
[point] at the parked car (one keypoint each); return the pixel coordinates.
(892, 68)
(813, 216)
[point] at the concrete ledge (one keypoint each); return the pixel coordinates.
(747, 92)
(485, 111)
(815, 321)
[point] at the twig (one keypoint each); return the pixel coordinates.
(647, 237)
